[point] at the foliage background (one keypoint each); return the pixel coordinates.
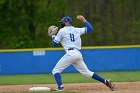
(24, 23)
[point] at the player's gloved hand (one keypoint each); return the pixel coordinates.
(52, 30)
(81, 18)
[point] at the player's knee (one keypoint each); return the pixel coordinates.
(55, 71)
(88, 74)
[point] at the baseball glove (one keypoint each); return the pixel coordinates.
(52, 30)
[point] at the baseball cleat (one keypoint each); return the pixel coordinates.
(59, 89)
(110, 84)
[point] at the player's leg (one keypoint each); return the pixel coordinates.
(60, 66)
(63, 63)
(82, 68)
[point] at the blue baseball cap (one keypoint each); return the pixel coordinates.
(66, 19)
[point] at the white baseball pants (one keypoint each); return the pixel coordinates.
(72, 57)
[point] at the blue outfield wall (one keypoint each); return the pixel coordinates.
(44, 60)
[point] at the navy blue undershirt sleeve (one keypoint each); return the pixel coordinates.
(88, 26)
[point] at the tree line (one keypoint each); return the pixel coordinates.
(24, 23)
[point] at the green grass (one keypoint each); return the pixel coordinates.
(119, 76)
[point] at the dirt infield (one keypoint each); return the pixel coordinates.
(121, 87)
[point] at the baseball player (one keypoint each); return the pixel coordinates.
(69, 37)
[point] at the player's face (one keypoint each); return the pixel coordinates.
(67, 24)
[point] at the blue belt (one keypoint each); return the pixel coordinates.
(70, 49)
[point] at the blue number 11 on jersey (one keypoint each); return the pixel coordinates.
(72, 37)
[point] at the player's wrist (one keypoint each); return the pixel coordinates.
(53, 36)
(84, 20)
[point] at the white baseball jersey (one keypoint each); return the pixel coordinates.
(69, 37)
